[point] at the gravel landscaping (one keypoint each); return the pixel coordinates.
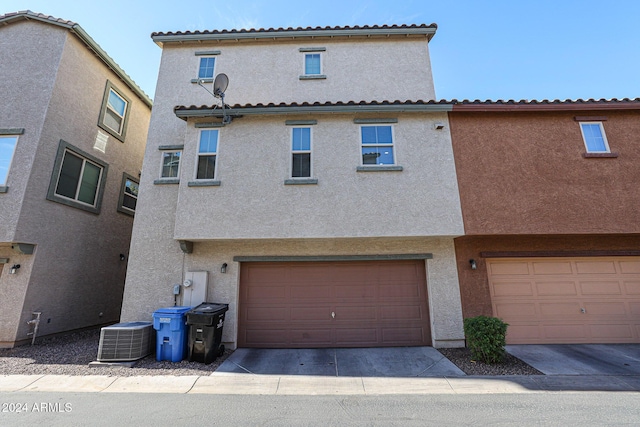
(71, 354)
(511, 365)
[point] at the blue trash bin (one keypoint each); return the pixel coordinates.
(172, 333)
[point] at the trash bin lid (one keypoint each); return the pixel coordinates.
(209, 308)
(175, 311)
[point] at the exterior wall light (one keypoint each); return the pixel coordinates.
(14, 268)
(472, 263)
(223, 269)
(122, 257)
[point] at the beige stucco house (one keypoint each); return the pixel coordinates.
(73, 127)
(321, 204)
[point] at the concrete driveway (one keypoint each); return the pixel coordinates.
(342, 362)
(580, 359)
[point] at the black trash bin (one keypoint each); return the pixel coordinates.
(205, 331)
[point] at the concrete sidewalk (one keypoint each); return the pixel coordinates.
(233, 383)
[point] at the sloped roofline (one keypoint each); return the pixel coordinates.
(86, 39)
(296, 33)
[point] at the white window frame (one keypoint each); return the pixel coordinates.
(3, 180)
(118, 134)
(292, 152)
(162, 156)
(304, 63)
(199, 66)
(123, 193)
(392, 145)
(604, 136)
(79, 183)
(207, 154)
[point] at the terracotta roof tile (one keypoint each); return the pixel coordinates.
(26, 14)
(291, 29)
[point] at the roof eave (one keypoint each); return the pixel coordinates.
(429, 32)
(541, 106)
(199, 112)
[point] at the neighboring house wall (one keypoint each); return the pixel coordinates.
(252, 211)
(531, 193)
(75, 276)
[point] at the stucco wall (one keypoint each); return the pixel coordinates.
(164, 267)
(474, 284)
(523, 173)
(264, 72)
(253, 163)
(27, 81)
(75, 277)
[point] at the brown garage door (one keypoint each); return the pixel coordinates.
(567, 300)
(333, 304)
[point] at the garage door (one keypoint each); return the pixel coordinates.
(333, 304)
(567, 300)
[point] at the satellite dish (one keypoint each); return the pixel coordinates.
(220, 85)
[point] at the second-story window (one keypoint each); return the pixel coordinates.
(300, 152)
(207, 65)
(312, 64)
(7, 148)
(170, 164)
(594, 137)
(377, 145)
(207, 153)
(114, 112)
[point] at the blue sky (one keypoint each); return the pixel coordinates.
(483, 49)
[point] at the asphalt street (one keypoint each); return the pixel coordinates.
(98, 409)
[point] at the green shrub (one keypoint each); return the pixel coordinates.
(485, 338)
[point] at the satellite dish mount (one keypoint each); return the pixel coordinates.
(219, 86)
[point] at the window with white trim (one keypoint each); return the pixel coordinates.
(170, 164)
(312, 64)
(114, 113)
(7, 149)
(128, 194)
(594, 137)
(78, 179)
(377, 145)
(207, 153)
(206, 68)
(301, 152)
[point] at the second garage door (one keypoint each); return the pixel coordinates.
(567, 300)
(333, 304)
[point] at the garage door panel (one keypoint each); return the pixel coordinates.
(556, 288)
(267, 314)
(573, 300)
(611, 332)
(351, 313)
(513, 311)
(343, 290)
(260, 293)
(402, 313)
(400, 290)
(567, 310)
(321, 313)
(316, 292)
(311, 337)
(600, 287)
(509, 268)
(565, 331)
(402, 336)
(632, 287)
(606, 309)
(511, 289)
(596, 267)
(362, 294)
(630, 267)
(543, 268)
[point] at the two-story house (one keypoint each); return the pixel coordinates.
(321, 205)
(73, 127)
(551, 208)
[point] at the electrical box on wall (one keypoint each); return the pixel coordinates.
(195, 288)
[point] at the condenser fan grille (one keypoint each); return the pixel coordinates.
(126, 342)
